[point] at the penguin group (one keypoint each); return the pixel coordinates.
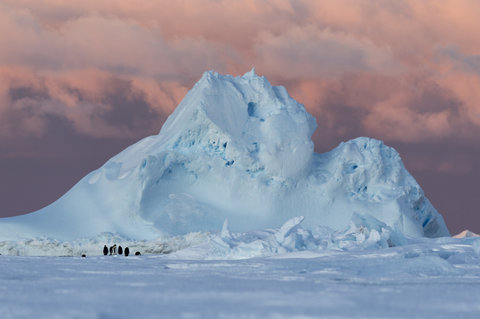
(114, 251)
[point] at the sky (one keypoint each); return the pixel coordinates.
(82, 80)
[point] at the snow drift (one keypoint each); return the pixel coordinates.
(240, 149)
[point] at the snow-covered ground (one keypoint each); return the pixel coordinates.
(362, 234)
(429, 279)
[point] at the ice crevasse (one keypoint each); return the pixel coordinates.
(236, 148)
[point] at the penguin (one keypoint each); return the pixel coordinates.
(120, 250)
(127, 251)
(105, 250)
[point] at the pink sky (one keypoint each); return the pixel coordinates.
(80, 80)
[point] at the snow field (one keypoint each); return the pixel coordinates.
(431, 279)
(290, 237)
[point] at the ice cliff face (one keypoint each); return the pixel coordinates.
(240, 149)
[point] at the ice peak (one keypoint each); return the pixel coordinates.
(369, 148)
(208, 76)
(250, 74)
(466, 234)
(212, 77)
(257, 121)
(365, 143)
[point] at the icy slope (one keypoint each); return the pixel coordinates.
(237, 148)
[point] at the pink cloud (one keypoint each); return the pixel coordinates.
(394, 120)
(309, 52)
(362, 67)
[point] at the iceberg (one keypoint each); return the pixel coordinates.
(238, 148)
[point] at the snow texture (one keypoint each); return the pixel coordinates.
(236, 148)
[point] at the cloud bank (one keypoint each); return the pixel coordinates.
(395, 66)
